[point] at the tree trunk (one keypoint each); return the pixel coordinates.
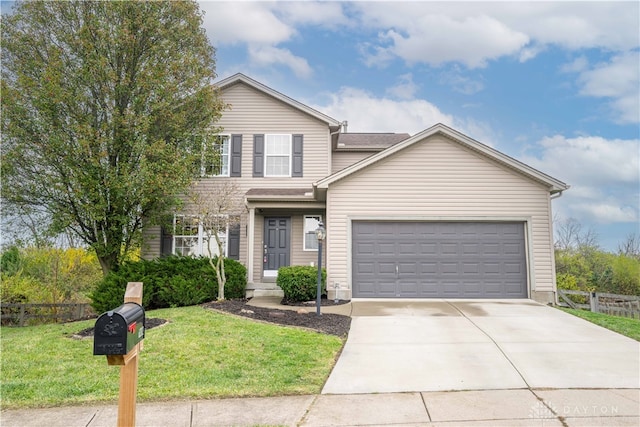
(107, 262)
(222, 278)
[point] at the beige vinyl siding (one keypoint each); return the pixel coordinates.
(342, 159)
(151, 237)
(253, 112)
(437, 179)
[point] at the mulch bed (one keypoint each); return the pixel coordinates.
(333, 324)
(305, 317)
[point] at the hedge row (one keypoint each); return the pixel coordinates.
(173, 281)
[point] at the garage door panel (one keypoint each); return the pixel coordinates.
(386, 289)
(387, 268)
(471, 268)
(409, 288)
(428, 268)
(408, 249)
(438, 259)
(448, 268)
(388, 249)
(426, 249)
(365, 268)
(449, 248)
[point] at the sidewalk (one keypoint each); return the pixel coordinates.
(520, 407)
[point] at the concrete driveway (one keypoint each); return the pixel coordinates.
(440, 345)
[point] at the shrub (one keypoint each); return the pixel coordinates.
(48, 275)
(300, 282)
(169, 282)
(236, 286)
(570, 283)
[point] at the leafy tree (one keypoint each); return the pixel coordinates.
(102, 106)
(582, 265)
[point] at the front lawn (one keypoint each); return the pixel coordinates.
(622, 325)
(198, 354)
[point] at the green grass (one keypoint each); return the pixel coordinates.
(199, 354)
(622, 325)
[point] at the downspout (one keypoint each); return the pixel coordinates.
(343, 123)
(555, 293)
(330, 163)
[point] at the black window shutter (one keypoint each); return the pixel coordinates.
(258, 155)
(233, 248)
(166, 242)
(297, 156)
(235, 156)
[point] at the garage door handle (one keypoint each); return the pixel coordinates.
(396, 271)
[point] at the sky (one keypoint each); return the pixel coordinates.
(555, 85)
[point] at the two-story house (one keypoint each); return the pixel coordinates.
(433, 215)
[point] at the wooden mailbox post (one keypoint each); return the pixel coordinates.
(128, 362)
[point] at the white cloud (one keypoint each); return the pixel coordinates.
(618, 79)
(325, 14)
(405, 88)
(439, 39)
(366, 113)
(608, 211)
(530, 52)
(262, 26)
(460, 83)
(604, 175)
(577, 65)
(268, 55)
(473, 33)
(244, 22)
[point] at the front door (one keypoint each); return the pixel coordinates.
(276, 244)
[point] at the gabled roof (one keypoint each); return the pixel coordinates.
(241, 78)
(554, 185)
(368, 141)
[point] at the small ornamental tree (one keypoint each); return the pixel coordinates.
(217, 211)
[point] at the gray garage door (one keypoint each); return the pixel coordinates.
(438, 260)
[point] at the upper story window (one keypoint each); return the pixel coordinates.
(215, 157)
(277, 155)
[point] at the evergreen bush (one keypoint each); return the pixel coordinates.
(300, 282)
(173, 281)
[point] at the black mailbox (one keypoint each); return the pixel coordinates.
(119, 330)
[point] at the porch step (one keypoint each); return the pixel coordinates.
(263, 290)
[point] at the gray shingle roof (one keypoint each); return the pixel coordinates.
(369, 141)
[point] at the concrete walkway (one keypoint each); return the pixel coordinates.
(535, 408)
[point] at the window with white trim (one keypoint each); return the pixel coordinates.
(311, 223)
(190, 238)
(277, 155)
(215, 156)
